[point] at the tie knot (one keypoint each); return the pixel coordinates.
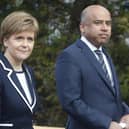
(98, 52)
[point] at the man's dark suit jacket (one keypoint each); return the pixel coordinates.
(14, 106)
(83, 90)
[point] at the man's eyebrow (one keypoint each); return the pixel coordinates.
(100, 21)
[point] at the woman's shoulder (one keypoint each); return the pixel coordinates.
(28, 68)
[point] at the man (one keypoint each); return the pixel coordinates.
(87, 84)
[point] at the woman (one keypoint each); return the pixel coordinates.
(17, 95)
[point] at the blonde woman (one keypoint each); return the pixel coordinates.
(17, 93)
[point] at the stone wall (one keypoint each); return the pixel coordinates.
(46, 127)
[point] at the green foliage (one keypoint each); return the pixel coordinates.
(119, 53)
(125, 84)
(59, 27)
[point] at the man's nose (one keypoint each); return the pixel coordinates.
(104, 26)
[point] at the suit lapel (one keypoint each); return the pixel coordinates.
(16, 84)
(30, 84)
(11, 75)
(116, 83)
(92, 59)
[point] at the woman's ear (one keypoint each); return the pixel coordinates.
(5, 42)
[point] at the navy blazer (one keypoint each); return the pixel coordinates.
(15, 108)
(83, 90)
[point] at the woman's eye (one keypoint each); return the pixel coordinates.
(30, 39)
(19, 38)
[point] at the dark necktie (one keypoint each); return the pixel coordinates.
(101, 60)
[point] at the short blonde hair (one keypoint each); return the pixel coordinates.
(17, 22)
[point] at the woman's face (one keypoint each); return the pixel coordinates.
(18, 47)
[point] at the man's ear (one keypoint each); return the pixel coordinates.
(82, 28)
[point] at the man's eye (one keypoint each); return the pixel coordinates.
(98, 22)
(108, 23)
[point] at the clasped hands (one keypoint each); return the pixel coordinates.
(125, 119)
(124, 123)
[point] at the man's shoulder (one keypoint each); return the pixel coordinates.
(72, 47)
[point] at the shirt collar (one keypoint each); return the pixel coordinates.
(89, 44)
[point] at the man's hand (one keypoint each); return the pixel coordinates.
(123, 125)
(125, 119)
(114, 125)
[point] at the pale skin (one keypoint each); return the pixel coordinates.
(18, 47)
(97, 29)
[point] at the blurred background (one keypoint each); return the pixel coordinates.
(59, 27)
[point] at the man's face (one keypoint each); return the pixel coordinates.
(97, 28)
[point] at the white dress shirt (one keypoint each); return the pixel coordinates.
(93, 48)
(24, 84)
